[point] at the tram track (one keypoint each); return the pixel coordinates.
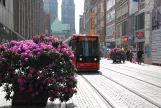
(137, 68)
(101, 95)
(136, 71)
(132, 76)
(143, 89)
(121, 95)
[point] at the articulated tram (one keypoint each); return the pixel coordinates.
(86, 51)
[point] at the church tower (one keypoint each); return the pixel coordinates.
(53, 9)
(51, 6)
(68, 14)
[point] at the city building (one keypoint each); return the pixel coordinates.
(7, 31)
(68, 14)
(140, 25)
(27, 17)
(99, 7)
(87, 11)
(51, 6)
(133, 9)
(110, 24)
(81, 24)
(94, 11)
(42, 18)
(121, 23)
(47, 24)
(154, 52)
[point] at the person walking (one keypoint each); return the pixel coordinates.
(127, 55)
(130, 55)
(139, 56)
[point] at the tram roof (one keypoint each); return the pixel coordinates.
(77, 35)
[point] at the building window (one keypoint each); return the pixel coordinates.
(124, 28)
(140, 21)
(118, 31)
(110, 16)
(110, 4)
(110, 30)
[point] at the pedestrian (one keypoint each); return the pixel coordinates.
(127, 55)
(139, 56)
(130, 56)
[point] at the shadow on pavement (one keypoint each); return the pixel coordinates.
(89, 73)
(50, 105)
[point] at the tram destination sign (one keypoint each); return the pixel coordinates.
(87, 38)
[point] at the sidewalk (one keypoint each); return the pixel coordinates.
(85, 98)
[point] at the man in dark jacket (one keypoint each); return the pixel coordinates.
(139, 56)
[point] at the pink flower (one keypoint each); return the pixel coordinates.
(49, 80)
(20, 81)
(44, 82)
(38, 53)
(55, 87)
(61, 77)
(57, 94)
(73, 78)
(66, 90)
(53, 80)
(38, 73)
(26, 59)
(29, 76)
(32, 70)
(21, 88)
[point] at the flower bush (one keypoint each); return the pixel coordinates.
(38, 65)
(115, 51)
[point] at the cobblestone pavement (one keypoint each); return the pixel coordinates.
(119, 96)
(144, 72)
(85, 98)
(153, 77)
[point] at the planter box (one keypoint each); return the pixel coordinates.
(25, 99)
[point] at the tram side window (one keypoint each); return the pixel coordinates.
(95, 48)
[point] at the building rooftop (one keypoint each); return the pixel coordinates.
(58, 28)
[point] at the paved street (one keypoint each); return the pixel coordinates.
(125, 85)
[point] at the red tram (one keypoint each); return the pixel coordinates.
(86, 51)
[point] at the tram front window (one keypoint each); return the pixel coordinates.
(88, 48)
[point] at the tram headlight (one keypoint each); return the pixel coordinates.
(95, 59)
(80, 59)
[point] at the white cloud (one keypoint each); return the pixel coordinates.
(79, 6)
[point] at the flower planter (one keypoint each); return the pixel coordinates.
(25, 99)
(36, 70)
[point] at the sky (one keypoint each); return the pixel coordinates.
(79, 6)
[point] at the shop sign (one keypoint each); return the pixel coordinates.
(92, 31)
(140, 34)
(125, 39)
